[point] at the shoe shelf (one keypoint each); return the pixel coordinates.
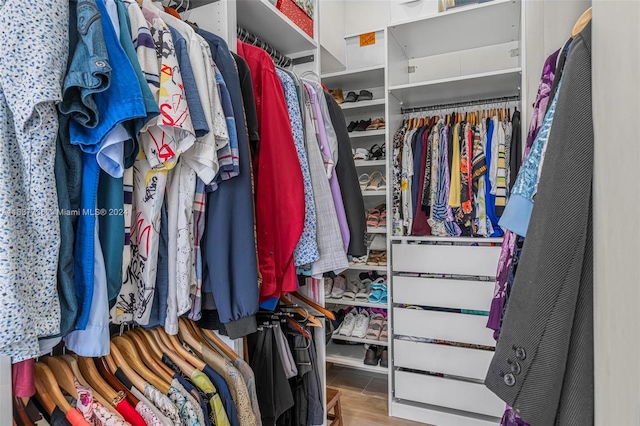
(263, 19)
(344, 302)
(368, 268)
(351, 356)
(363, 104)
(367, 133)
(376, 230)
(370, 163)
(374, 193)
(437, 239)
(359, 78)
(358, 340)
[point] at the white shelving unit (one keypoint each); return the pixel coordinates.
(373, 80)
(358, 340)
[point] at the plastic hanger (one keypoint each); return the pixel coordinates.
(133, 376)
(130, 354)
(582, 22)
(47, 390)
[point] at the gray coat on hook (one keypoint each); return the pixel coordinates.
(543, 364)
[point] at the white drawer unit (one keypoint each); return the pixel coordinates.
(443, 293)
(454, 327)
(450, 360)
(446, 259)
(445, 392)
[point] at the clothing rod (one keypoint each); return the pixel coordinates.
(278, 58)
(461, 104)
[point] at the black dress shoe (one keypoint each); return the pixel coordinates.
(362, 125)
(352, 126)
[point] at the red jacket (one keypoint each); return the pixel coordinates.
(279, 187)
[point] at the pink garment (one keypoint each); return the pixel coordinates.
(23, 382)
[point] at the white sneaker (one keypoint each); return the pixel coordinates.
(362, 324)
(347, 325)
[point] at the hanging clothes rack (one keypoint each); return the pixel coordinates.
(454, 105)
(279, 59)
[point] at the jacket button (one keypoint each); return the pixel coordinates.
(520, 353)
(509, 380)
(101, 64)
(515, 368)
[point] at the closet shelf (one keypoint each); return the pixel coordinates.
(368, 268)
(343, 302)
(483, 24)
(493, 84)
(448, 239)
(263, 19)
(360, 78)
(362, 104)
(374, 193)
(376, 230)
(351, 356)
(357, 340)
(367, 133)
(370, 163)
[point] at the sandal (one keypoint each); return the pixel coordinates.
(361, 154)
(365, 95)
(384, 334)
(337, 95)
(362, 260)
(372, 260)
(375, 326)
(365, 181)
(377, 182)
(376, 152)
(376, 124)
(373, 217)
(383, 218)
(382, 260)
(352, 289)
(351, 97)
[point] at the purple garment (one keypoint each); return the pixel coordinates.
(509, 242)
(451, 226)
(333, 180)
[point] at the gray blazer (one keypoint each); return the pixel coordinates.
(543, 365)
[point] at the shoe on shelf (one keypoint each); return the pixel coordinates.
(337, 95)
(384, 358)
(376, 124)
(346, 329)
(352, 126)
(362, 260)
(371, 357)
(328, 286)
(362, 125)
(339, 287)
(384, 334)
(361, 154)
(373, 217)
(364, 180)
(364, 291)
(365, 95)
(362, 324)
(376, 152)
(377, 182)
(339, 319)
(375, 326)
(352, 289)
(382, 260)
(351, 97)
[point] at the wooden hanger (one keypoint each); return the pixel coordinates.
(20, 412)
(150, 341)
(582, 22)
(167, 349)
(193, 330)
(296, 325)
(91, 374)
(130, 354)
(215, 339)
(327, 313)
(63, 374)
(47, 390)
(111, 364)
(312, 320)
(149, 357)
(186, 355)
(103, 369)
(133, 376)
(73, 364)
(189, 337)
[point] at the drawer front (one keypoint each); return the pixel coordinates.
(462, 328)
(456, 294)
(452, 360)
(450, 393)
(441, 259)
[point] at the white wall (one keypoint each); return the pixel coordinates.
(616, 108)
(362, 16)
(331, 16)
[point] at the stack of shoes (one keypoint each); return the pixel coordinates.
(335, 288)
(377, 216)
(377, 354)
(377, 258)
(363, 125)
(379, 293)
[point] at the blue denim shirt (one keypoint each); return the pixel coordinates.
(105, 105)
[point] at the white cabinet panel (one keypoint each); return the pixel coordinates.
(441, 259)
(443, 293)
